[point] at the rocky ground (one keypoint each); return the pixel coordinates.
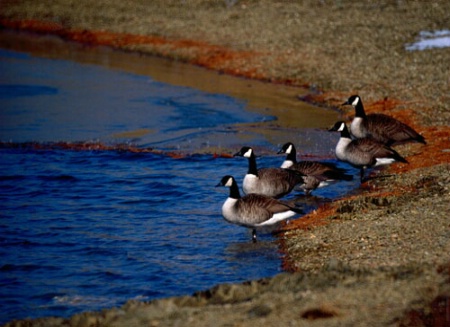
(380, 257)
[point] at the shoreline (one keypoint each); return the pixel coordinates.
(395, 232)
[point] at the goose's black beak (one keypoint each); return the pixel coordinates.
(346, 103)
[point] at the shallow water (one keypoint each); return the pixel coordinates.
(98, 102)
(58, 100)
(85, 230)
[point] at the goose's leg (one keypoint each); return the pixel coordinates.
(362, 174)
(254, 235)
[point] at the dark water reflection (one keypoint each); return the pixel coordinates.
(84, 230)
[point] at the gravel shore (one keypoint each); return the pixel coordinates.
(378, 258)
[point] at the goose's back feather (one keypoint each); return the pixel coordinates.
(385, 129)
(255, 209)
(275, 182)
(318, 174)
(317, 169)
(365, 151)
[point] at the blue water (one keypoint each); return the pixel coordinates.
(85, 230)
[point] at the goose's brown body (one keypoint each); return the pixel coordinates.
(253, 210)
(383, 128)
(273, 182)
(317, 174)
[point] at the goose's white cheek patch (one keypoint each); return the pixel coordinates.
(355, 102)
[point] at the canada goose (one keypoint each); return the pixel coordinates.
(365, 152)
(382, 128)
(274, 182)
(253, 210)
(317, 174)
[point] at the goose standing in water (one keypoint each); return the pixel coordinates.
(365, 152)
(382, 128)
(253, 210)
(317, 174)
(274, 182)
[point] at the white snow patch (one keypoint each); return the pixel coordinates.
(430, 40)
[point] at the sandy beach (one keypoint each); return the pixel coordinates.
(379, 258)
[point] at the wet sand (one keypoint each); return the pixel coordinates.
(378, 258)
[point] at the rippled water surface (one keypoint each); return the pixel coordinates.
(89, 229)
(83, 230)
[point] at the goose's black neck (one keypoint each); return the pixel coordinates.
(293, 155)
(359, 110)
(345, 133)
(234, 191)
(252, 168)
